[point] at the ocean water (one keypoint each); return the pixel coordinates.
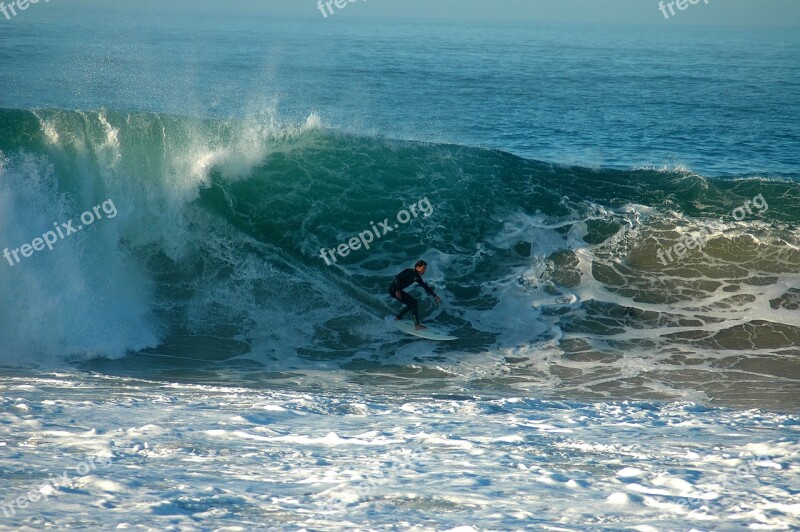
(609, 213)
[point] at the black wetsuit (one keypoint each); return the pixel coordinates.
(402, 281)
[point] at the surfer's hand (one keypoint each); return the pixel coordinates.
(438, 299)
(397, 294)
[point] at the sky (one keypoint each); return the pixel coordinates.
(747, 13)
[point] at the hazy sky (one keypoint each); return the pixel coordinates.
(753, 13)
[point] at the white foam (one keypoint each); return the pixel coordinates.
(392, 461)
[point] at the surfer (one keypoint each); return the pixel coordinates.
(405, 279)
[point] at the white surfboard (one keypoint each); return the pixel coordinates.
(408, 327)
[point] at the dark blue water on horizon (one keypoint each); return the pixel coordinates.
(718, 101)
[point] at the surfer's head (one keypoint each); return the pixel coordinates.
(421, 266)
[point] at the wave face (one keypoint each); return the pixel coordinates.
(596, 283)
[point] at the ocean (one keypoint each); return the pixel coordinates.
(202, 211)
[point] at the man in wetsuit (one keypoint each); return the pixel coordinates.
(405, 279)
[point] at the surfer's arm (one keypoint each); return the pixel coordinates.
(425, 287)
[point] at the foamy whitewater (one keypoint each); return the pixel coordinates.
(188, 456)
(624, 286)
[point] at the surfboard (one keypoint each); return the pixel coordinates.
(407, 326)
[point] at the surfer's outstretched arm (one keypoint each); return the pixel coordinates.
(428, 289)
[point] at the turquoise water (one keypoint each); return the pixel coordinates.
(609, 214)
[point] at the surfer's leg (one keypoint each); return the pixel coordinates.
(415, 312)
(411, 304)
(393, 295)
(402, 313)
(404, 300)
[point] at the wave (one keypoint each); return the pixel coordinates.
(214, 255)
